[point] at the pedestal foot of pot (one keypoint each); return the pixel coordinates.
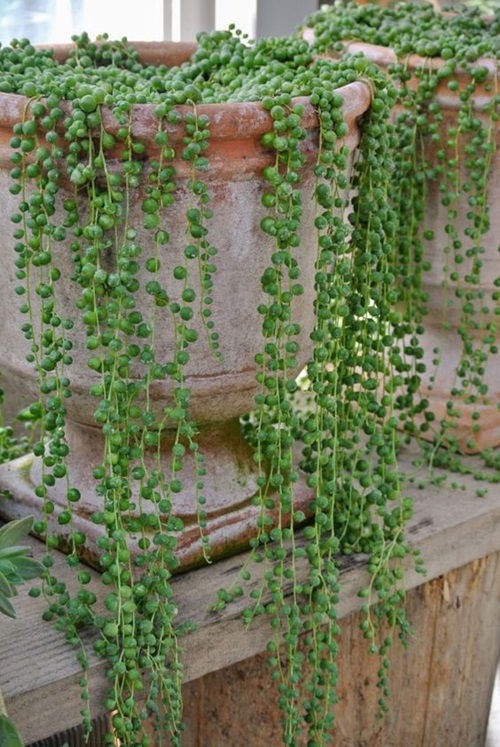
(229, 489)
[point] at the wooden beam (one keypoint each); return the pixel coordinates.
(38, 670)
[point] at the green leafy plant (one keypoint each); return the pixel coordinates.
(455, 158)
(485, 7)
(16, 567)
(339, 426)
(9, 736)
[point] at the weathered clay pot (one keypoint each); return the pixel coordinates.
(384, 3)
(220, 391)
(444, 317)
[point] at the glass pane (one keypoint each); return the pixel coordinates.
(45, 21)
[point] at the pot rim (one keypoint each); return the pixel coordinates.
(386, 56)
(246, 119)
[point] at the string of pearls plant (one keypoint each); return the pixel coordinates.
(338, 424)
(446, 126)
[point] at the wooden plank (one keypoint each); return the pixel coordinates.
(441, 684)
(38, 670)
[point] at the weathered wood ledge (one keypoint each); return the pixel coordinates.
(39, 672)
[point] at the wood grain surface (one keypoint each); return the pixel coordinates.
(39, 672)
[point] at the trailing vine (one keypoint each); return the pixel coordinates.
(453, 156)
(337, 425)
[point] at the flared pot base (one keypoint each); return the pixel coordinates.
(230, 489)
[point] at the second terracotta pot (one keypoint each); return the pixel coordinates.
(442, 341)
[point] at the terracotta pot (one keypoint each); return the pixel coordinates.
(443, 319)
(384, 3)
(220, 391)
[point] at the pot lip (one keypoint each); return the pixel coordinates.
(151, 52)
(387, 56)
(229, 120)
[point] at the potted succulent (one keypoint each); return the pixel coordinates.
(183, 244)
(444, 66)
(222, 387)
